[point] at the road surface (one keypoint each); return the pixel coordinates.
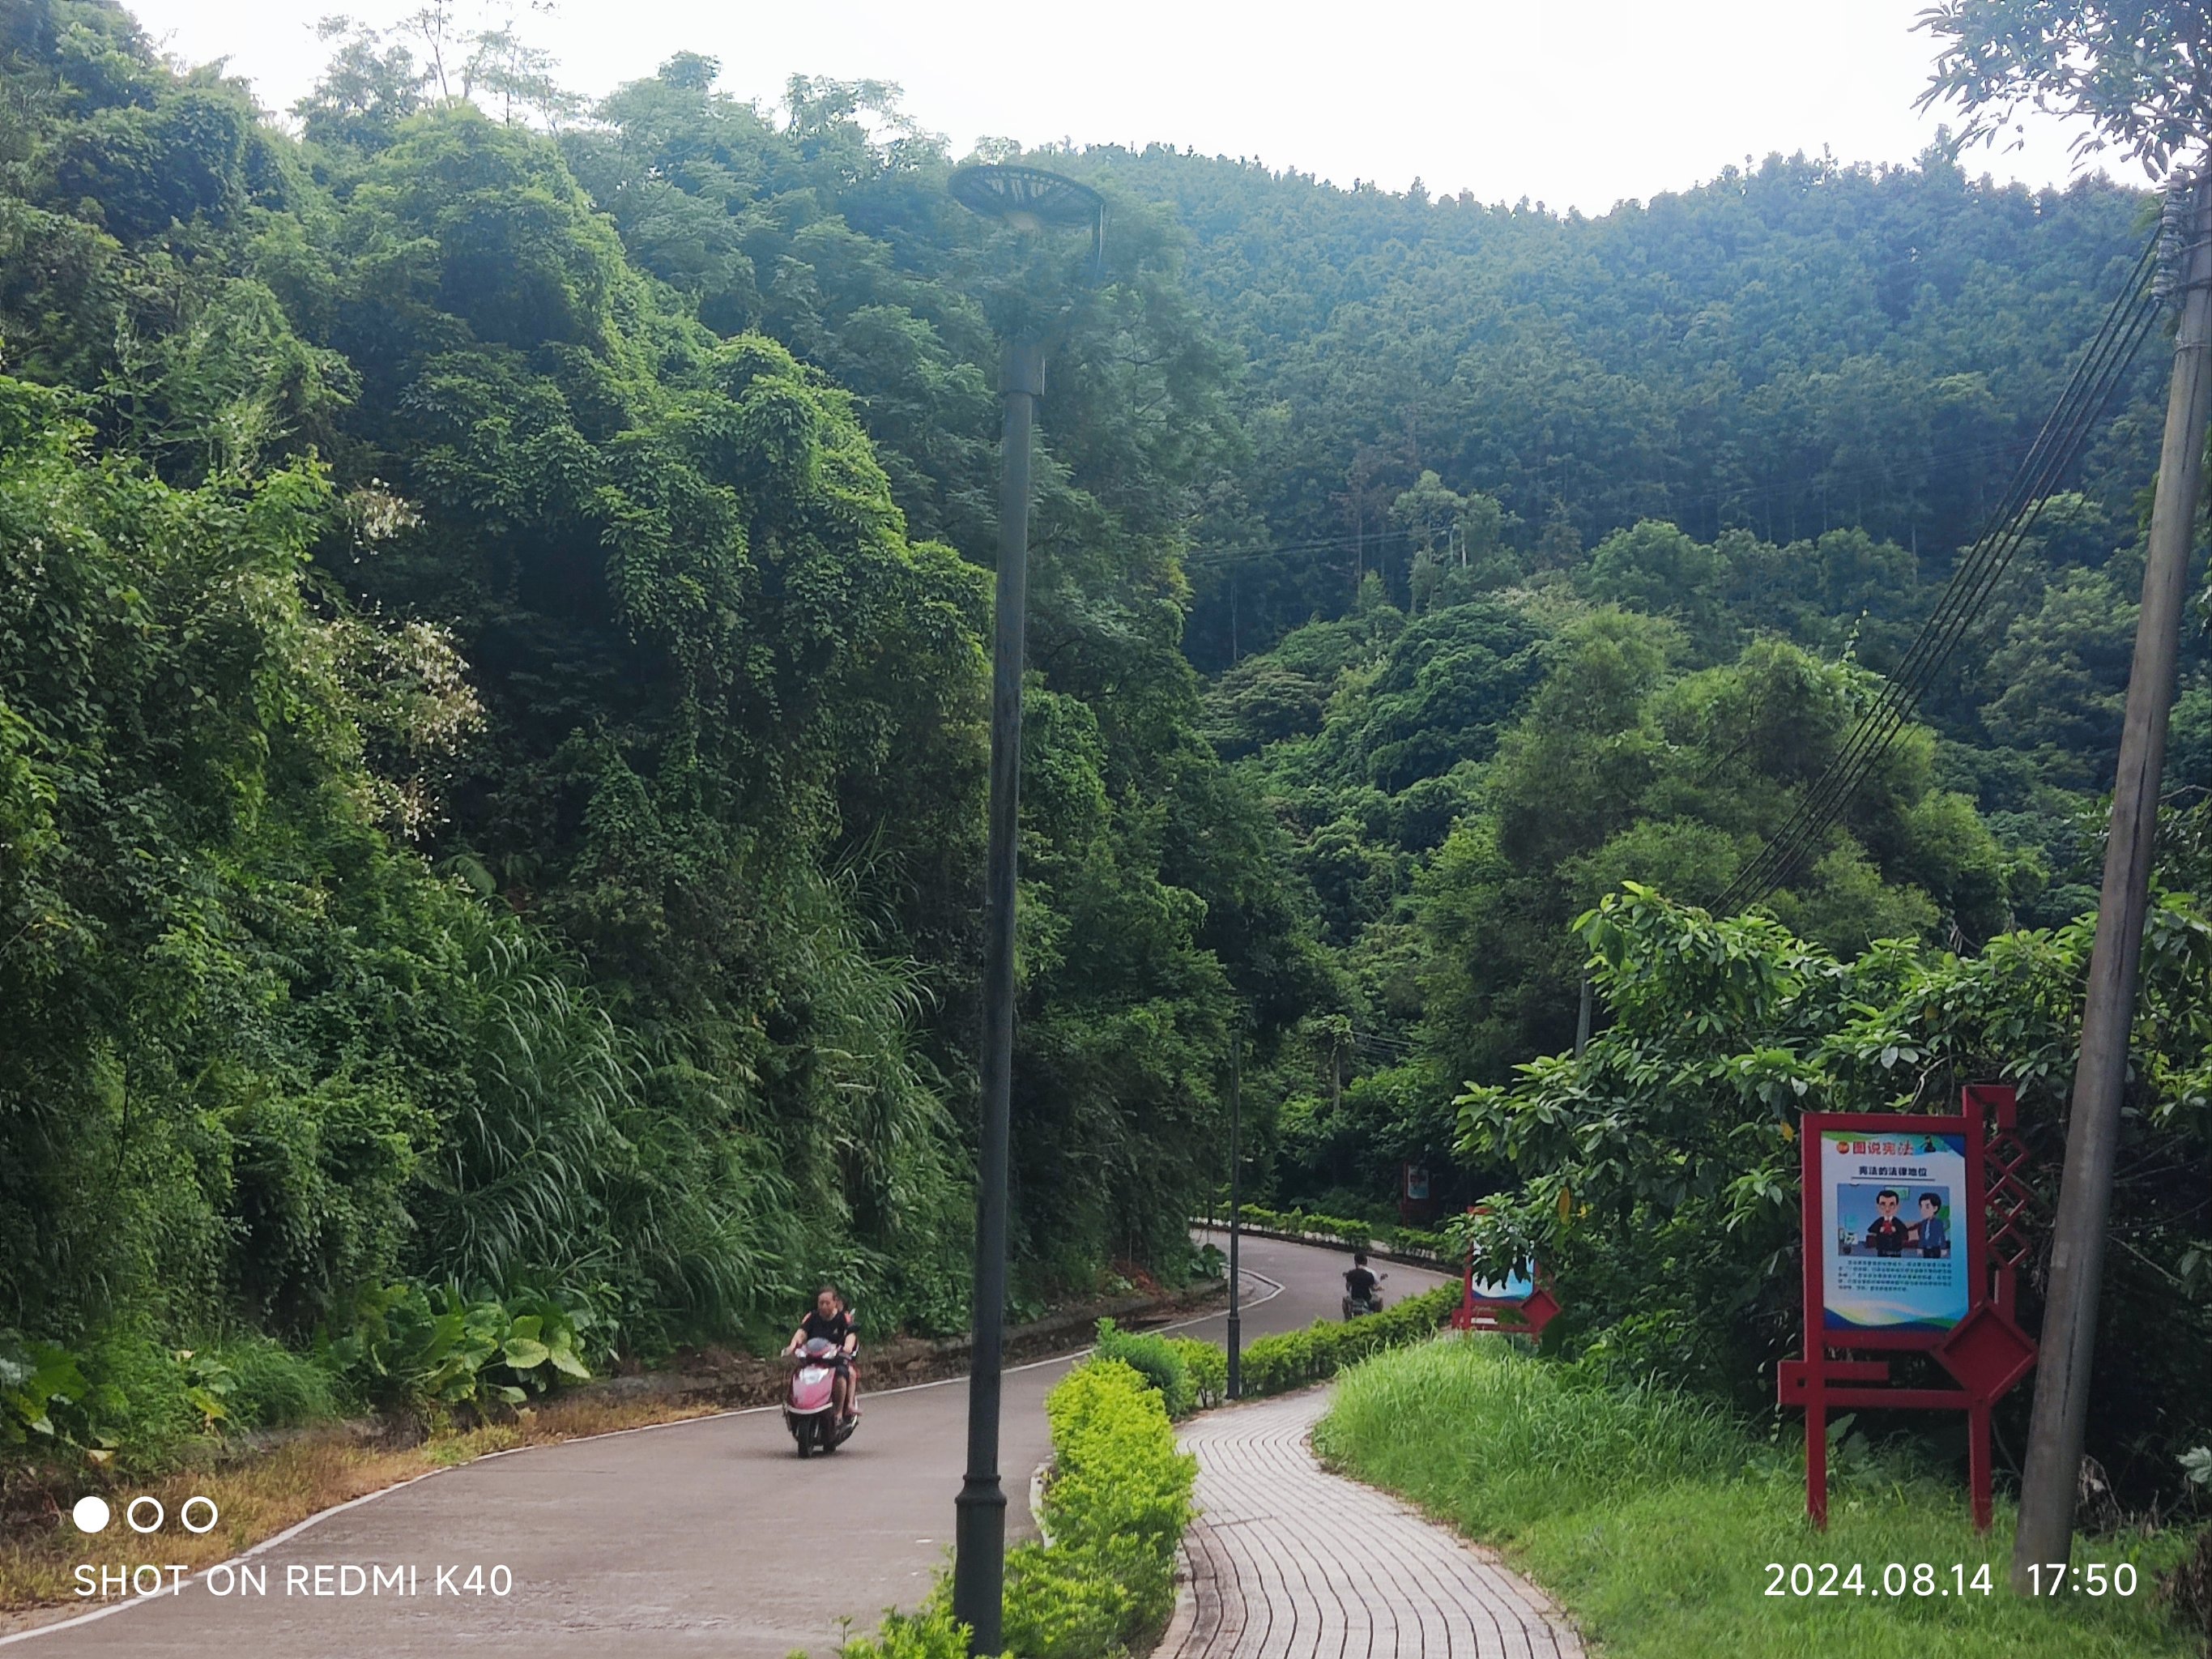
(704, 1537)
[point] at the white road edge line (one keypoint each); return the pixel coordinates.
(320, 1516)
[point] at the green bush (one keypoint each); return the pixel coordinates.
(1295, 1358)
(1158, 1360)
(1207, 1364)
(123, 1400)
(930, 1634)
(39, 1382)
(414, 1349)
(1115, 1507)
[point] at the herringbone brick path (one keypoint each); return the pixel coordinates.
(1287, 1561)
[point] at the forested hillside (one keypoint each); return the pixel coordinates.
(494, 606)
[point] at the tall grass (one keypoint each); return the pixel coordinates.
(1652, 1515)
(274, 1387)
(1543, 1448)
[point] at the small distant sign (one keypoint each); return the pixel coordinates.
(1514, 1287)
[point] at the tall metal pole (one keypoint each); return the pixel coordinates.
(1235, 1212)
(979, 1561)
(2048, 1482)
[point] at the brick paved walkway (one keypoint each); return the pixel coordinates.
(1286, 1561)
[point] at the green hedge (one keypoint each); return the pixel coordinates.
(1189, 1375)
(1207, 1364)
(1295, 1358)
(1161, 1361)
(1359, 1234)
(1115, 1505)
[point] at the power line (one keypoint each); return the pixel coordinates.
(1976, 577)
(2057, 445)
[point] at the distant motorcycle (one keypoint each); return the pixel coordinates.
(1354, 1306)
(810, 1407)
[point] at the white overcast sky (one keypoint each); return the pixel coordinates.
(1578, 103)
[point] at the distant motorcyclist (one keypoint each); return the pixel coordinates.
(1361, 1287)
(831, 1321)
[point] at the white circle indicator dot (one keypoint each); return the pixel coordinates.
(91, 1514)
(184, 1515)
(131, 1513)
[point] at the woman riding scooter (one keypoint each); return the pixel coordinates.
(831, 1321)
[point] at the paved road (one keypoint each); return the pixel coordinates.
(1287, 1561)
(706, 1537)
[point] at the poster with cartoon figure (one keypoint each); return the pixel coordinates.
(1894, 1258)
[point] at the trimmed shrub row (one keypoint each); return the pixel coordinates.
(1116, 1505)
(1189, 1375)
(1359, 1234)
(1274, 1364)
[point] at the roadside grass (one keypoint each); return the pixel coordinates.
(259, 1496)
(1652, 1518)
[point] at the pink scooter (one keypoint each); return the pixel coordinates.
(810, 1408)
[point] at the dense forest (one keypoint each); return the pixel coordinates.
(494, 615)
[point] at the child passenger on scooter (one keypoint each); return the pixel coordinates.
(831, 1320)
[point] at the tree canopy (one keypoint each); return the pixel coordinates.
(493, 596)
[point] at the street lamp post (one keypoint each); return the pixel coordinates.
(1029, 201)
(1236, 1384)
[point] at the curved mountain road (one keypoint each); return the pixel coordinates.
(697, 1538)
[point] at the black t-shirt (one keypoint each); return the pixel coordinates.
(1359, 1282)
(835, 1328)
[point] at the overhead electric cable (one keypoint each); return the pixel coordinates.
(1976, 578)
(2103, 367)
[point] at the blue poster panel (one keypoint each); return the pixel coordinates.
(1895, 1253)
(1514, 1287)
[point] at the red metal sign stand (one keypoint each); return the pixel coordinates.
(1986, 1352)
(1513, 1316)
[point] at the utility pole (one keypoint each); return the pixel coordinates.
(2048, 1483)
(1583, 1018)
(1235, 1209)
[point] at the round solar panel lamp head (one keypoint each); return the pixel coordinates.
(1028, 198)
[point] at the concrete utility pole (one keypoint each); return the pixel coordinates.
(2048, 1484)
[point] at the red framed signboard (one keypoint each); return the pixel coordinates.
(1899, 1257)
(1520, 1304)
